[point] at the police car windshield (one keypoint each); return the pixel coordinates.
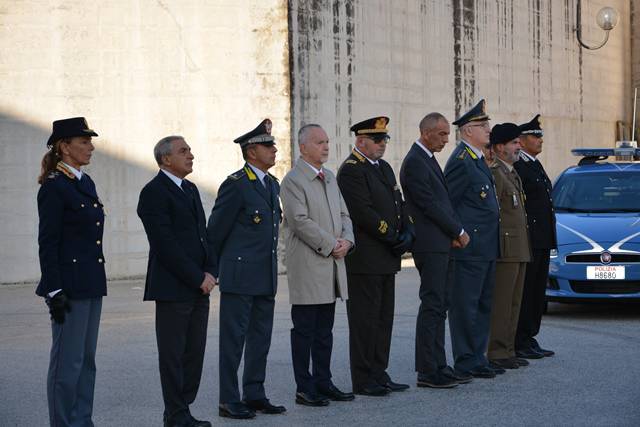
(598, 192)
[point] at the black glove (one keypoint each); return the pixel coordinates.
(404, 243)
(58, 305)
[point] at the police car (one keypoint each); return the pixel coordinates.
(597, 205)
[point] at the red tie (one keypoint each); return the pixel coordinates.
(321, 175)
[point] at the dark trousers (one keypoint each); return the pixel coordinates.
(246, 322)
(533, 298)
(72, 364)
(436, 278)
(470, 312)
(181, 334)
(312, 338)
(370, 313)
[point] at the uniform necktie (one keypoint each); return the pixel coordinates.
(267, 185)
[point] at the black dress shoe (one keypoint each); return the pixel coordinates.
(375, 390)
(395, 386)
(460, 377)
(528, 353)
(497, 369)
(264, 406)
(199, 423)
(520, 362)
(437, 380)
(235, 410)
(482, 372)
(310, 399)
(503, 363)
(544, 352)
(334, 393)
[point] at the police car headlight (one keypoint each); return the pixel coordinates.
(553, 253)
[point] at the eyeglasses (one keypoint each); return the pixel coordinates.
(379, 140)
(485, 125)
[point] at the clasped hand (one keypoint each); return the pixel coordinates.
(341, 249)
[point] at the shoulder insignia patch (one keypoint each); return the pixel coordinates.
(65, 170)
(382, 228)
(236, 176)
(462, 155)
(351, 162)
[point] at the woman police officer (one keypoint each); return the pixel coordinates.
(72, 264)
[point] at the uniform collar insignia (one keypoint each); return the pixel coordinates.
(65, 170)
(250, 174)
(358, 156)
(470, 151)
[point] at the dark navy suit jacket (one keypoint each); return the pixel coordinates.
(70, 236)
(176, 229)
(427, 197)
(243, 234)
(473, 195)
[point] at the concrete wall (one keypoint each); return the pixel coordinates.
(355, 59)
(138, 70)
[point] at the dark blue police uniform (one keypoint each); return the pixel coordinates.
(71, 260)
(243, 240)
(473, 197)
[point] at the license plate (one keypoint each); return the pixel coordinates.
(605, 272)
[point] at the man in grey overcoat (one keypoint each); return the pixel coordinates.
(318, 235)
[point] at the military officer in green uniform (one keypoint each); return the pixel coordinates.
(382, 232)
(472, 193)
(515, 251)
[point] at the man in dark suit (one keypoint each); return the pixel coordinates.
(437, 229)
(243, 241)
(542, 228)
(177, 278)
(383, 233)
(473, 197)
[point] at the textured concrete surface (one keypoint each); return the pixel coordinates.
(594, 380)
(138, 70)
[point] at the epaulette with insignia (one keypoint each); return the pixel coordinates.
(358, 156)
(351, 162)
(237, 175)
(53, 174)
(462, 155)
(65, 170)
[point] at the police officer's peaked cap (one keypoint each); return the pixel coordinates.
(260, 135)
(533, 127)
(68, 128)
(375, 128)
(476, 114)
(503, 133)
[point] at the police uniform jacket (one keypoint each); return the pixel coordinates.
(70, 236)
(174, 221)
(514, 232)
(243, 234)
(538, 203)
(425, 190)
(375, 206)
(472, 193)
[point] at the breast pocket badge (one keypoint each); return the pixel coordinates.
(257, 219)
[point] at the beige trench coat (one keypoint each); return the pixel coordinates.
(315, 215)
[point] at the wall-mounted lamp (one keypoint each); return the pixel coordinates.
(607, 18)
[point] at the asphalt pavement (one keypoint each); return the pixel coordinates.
(594, 379)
